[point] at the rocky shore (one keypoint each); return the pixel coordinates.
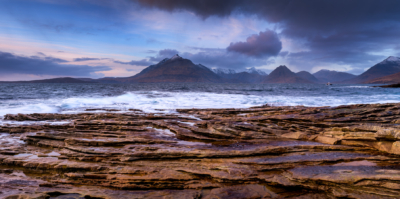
(391, 86)
(261, 152)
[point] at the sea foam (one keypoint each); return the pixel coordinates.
(27, 98)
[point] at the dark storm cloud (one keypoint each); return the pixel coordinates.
(265, 44)
(14, 64)
(214, 57)
(326, 14)
(210, 57)
(338, 32)
(201, 8)
(221, 58)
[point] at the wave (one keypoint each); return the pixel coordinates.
(29, 108)
(357, 86)
(157, 101)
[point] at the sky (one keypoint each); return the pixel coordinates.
(100, 38)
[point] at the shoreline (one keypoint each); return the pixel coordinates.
(266, 151)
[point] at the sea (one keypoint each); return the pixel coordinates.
(167, 97)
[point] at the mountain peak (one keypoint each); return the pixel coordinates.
(175, 69)
(175, 57)
(223, 71)
(392, 59)
(389, 66)
(253, 70)
(283, 67)
(326, 70)
(283, 74)
(282, 71)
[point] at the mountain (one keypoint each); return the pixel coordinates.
(223, 71)
(325, 76)
(251, 75)
(390, 79)
(255, 71)
(283, 75)
(175, 69)
(307, 76)
(389, 66)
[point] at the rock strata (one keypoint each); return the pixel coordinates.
(261, 152)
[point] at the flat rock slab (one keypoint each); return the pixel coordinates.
(260, 152)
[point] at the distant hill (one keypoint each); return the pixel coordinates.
(325, 76)
(390, 79)
(307, 76)
(283, 75)
(53, 80)
(389, 66)
(103, 80)
(175, 69)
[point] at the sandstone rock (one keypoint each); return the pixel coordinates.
(295, 136)
(260, 152)
(327, 140)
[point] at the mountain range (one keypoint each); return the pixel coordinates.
(178, 69)
(387, 67)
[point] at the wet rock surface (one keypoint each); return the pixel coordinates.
(261, 152)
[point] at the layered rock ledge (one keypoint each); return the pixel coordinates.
(260, 152)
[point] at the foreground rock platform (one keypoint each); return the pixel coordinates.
(261, 152)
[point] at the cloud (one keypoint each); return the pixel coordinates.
(88, 59)
(265, 44)
(210, 57)
(342, 32)
(143, 62)
(283, 53)
(168, 52)
(221, 58)
(14, 64)
(151, 51)
(201, 8)
(306, 13)
(55, 60)
(162, 54)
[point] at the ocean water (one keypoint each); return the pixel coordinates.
(166, 97)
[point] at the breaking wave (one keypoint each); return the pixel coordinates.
(64, 98)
